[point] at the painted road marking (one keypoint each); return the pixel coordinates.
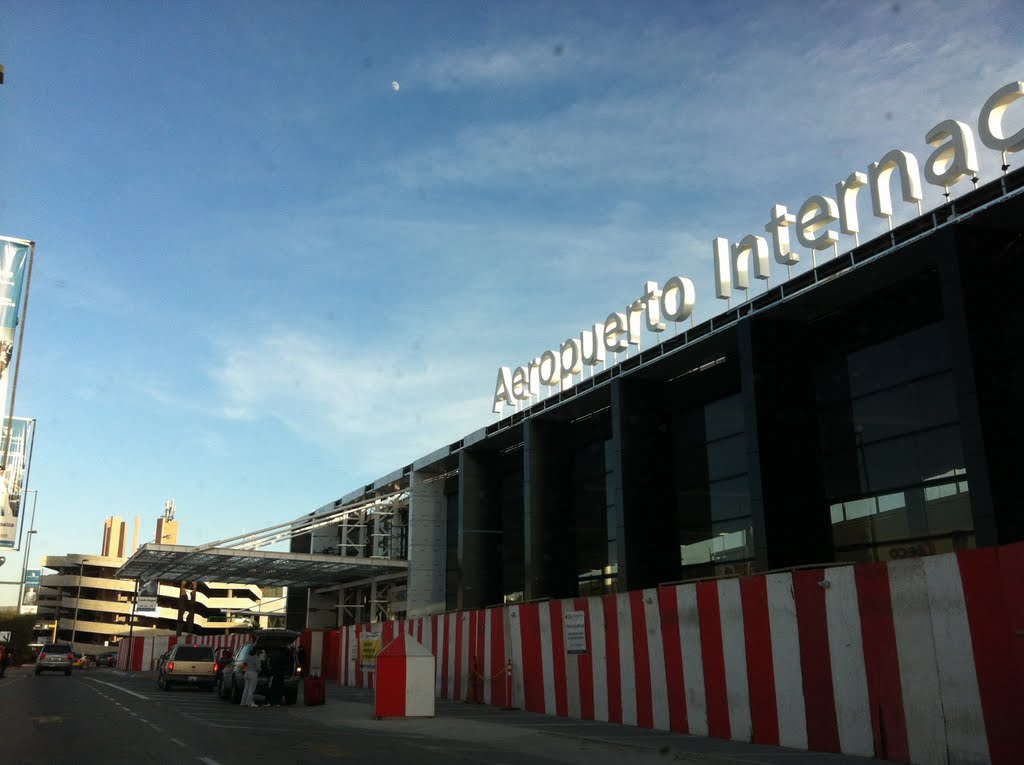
(118, 687)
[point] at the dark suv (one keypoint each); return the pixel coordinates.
(279, 647)
(55, 657)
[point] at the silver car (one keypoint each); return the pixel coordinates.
(55, 657)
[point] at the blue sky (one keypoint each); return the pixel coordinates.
(264, 277)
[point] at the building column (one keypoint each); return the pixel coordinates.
(789, 505)
(479, 556)
(641, 487)
(426, 556)
(984, 334)
(549, 536)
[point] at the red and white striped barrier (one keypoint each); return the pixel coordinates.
(145, 650)
(917, 660)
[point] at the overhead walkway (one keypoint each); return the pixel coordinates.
(153, 562)
(237, 559)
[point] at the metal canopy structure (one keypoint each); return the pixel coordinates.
(155, 562)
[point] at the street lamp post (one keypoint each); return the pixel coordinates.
(78, 599)
(56, 617)
(131, 626)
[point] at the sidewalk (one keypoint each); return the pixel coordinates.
(491, 730)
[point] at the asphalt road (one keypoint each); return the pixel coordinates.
(111, 717)
(106, 716)
(103, 716)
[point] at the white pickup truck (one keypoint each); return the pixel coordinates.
(188, 665)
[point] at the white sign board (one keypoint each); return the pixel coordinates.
(5, 636)
(575, 632)
(146, 600)
(370, 644)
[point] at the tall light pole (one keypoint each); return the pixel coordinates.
(78, 599)
(131, 626)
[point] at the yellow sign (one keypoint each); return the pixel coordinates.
(369, 646)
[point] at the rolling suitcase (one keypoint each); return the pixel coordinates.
(313, 691)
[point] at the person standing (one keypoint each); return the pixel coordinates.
(276, 688)
(253, 667)
(5, 657)
(222, 662)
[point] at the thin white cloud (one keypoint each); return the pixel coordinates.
(374, 412)
(743, 108)
(526, 62)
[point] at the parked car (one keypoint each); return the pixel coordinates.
(279, 647)
(55, 657)
(106, 660)
(188, 665)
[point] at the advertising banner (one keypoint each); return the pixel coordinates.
(14, 255)
(32, 577)
(30, 596)
(146, 602)
(16, 437)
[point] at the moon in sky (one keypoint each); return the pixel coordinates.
(395, 86)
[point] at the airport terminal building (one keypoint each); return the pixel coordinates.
(795, 523)
(865, 410)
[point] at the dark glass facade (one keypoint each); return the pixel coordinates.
(714, 494)
(867, 409)
(895, 471)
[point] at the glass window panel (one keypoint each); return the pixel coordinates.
(890, 527)
(888, 502)
(906, 408)
(730, 499)
(937, 492)
(915, 354)
(723, 417)
(866, 527)
(836, 512)
(733, 540)
(858, 508)
(935, 402)
(939, 451)
(730, 540)
(891, 464)
(949, 512)
(727, 457)
(696, 553)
